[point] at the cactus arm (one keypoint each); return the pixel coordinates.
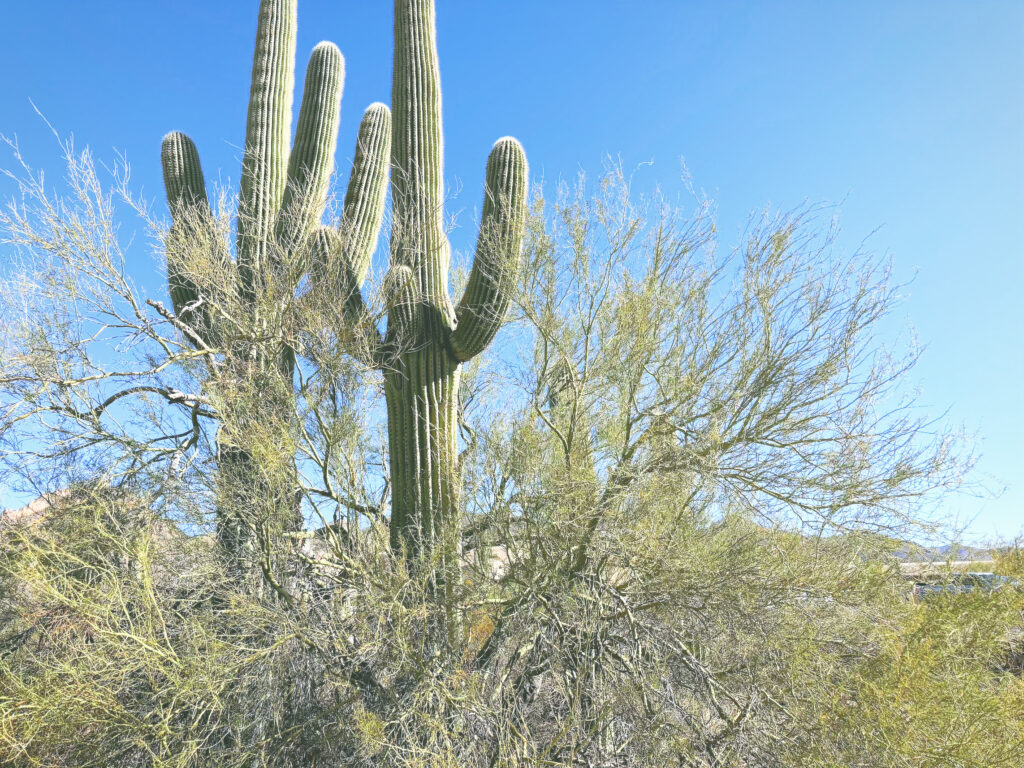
(492, 280)
(332, 273)
(190, 209)
(312, 157)
(417, 168)
(268, 125)
(183, 174)
(341, 257)
(363, 211)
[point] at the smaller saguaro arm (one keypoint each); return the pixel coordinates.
(492, 280)
(190, 210)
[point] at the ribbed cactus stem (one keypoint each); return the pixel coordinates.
(183, 173)
(363, 211)
(316, 137)
(342, 258)
(422, 396)
(267, 133)
(417, 165)
(492, 281)
(190, 210)
(402, 298)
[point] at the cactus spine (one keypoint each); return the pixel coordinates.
(421, 384)
(283, 194)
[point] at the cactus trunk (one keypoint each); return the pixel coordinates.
(422, 399)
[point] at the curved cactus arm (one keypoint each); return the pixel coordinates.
(312, 157)
(267, 134)
(417, 168)
(492, 281)
(333, 275)
(363, 212)
(192, 227)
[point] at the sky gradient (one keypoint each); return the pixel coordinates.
(909, 115)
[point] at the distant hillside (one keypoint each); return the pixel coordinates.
(915, 553)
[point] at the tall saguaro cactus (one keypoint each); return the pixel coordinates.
(282, 200)
(421, 384)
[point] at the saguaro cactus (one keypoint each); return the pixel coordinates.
(428, 338)
(422, 382)
(283, 194)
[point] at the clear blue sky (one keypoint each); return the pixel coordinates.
(911, 114)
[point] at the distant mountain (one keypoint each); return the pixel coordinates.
(33, 511)
(916, 553)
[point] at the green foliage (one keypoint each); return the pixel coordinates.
(657, 529)
(941, 689)
(123, 644)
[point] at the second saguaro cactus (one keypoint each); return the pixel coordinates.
(282, 200)
(422, 383)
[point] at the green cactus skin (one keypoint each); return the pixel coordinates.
(282, 200)
(267, 129)
(422, 382)
(363, 211)
(492, 280)
(186, 197)
(312, 159)
(341, 257)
